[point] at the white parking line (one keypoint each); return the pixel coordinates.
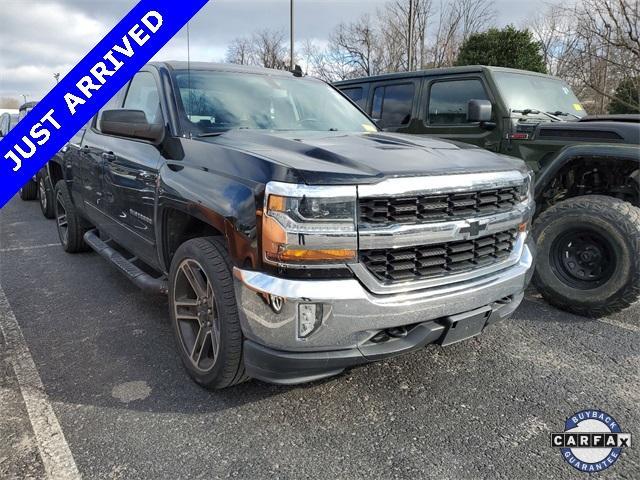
(615, 323)
(54, 450)
(34, 247)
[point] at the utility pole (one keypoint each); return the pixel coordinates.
(410, 38)
(293, 36)
(57, 77)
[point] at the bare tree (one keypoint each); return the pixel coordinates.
(270, 49)
(240, 51)
(355, 45)
(395, 20)
(594, 46)
(458, 20)
(328, 64)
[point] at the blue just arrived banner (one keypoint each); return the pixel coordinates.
(88, 87)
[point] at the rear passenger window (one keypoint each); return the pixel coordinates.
(357, 95)
(392, 105)
(448, 101)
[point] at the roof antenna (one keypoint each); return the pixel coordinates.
(189, 75)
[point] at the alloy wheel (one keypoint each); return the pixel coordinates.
(61, 219)
(196, 315)
(43, 194)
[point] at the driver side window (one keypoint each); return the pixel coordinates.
(143, 95)
(449, 100)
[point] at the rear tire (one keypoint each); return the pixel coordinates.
(29, 191)
(45, 195)
(70, 227)
(204, 313)
(589, 255)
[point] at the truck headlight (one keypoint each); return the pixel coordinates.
(526, 190)
(305, 226)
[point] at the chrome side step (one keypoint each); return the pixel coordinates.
(142, 279)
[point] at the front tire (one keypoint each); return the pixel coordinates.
(204, 314)
(589, 255)
(70, 228)
(45, 196)
(29, 191)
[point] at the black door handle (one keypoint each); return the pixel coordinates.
(108, 156)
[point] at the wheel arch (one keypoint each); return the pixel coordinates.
(192, 203)
(578, 158)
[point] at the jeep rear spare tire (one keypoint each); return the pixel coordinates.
(589, 255)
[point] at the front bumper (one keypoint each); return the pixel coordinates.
(353, 316)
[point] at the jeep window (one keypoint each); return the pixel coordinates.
(214, 102)
(143, 95)
(357, 95)
(533, 92)
(392, 104)
(449, 100)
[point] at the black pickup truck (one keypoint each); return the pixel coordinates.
(587, 193)
(293, 239)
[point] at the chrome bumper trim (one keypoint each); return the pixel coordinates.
(351, 314)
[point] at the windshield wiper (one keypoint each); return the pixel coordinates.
(211, 134)
(564, 114)
(221, 132)
(528, 111)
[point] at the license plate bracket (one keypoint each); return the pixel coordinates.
(465, 325)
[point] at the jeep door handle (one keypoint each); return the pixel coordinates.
(109, 156)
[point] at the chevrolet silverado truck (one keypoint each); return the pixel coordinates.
(587, 192)
(292, 237)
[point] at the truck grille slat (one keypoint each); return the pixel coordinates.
(418, 263)
(437, 207)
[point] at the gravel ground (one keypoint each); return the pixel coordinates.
(480, 409)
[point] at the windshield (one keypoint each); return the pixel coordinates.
(219, 101)
(522, 92)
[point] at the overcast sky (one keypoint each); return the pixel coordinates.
(40, 37)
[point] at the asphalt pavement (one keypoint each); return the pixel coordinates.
(106, 392)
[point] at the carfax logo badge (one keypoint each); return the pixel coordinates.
(592, 441)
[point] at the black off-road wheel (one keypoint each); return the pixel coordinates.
(204, 314)
(70, 226)
(45, 196)
(589, 255)
(29, 191)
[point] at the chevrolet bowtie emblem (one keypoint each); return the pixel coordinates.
(473, 229)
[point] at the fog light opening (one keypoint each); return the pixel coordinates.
(276, 303)
(309, 318)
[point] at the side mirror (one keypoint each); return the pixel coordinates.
(131, 124)
(479, 111)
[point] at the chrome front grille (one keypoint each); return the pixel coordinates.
(428, 261)
(416, 209)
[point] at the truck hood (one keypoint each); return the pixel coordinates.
(336, 157)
